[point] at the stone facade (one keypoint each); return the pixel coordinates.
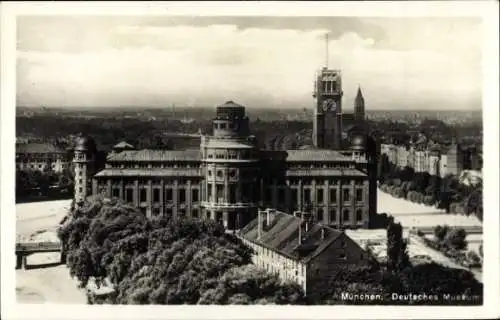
(228, 178)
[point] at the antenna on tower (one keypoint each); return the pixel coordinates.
(326, 50)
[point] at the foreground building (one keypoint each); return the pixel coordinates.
(299, 250)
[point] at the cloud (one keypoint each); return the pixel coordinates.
(155, 65)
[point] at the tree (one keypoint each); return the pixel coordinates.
(397, 255)
(440, 232)
(455, 239)
(164, 261)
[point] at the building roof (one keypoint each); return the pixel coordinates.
(282, 235)
(123, 145)
(148, 155)
(38, 148)
(150, 172)
(315, 155)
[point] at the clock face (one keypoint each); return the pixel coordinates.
(332, 105)
(325, 105)
(329, 105)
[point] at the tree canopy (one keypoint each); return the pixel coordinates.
(164, 261)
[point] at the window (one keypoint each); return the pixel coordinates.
(320, 214)
(209, 191)
(342, 256)
(268, 194)
(182, 195)
(210, 171)
(182, 213)
(359, 195)
(143, 195)
(194, 213)
(232, 193)
(168, 212)
(281, 195)
(194, 195)
(219, 173)
(143, 210)
(294, 196)
(116, 193)
(359, 215)
(346, 215)
(156, 195)
(333, 195)
(319, 195)
(130, 195)
(223, 125)
(333, 215)
(219, 191)
(345, 195)
(156, 211)
(307, 195)
(169, 194)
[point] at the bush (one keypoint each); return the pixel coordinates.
(440, 232)
(455, 239)
(473, 259)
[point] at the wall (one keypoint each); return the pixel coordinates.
(325, 265)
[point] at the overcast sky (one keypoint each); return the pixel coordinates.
(424, 63)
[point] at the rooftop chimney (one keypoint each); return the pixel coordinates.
(269, 212)
(300, 232)
(306, 216)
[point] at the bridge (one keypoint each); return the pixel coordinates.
(23, 250)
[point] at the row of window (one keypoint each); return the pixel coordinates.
(231, 154)
(308, 181)
(154, 165)
(346, 215)
(168, 212)
(168, 196)
(320, 198)
(38, 166)
(225, 125)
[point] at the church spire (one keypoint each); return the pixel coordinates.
(359, 105)
(359, 96)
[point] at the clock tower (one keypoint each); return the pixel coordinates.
(327, 122)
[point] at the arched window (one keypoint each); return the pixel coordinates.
(346, 215)
(359, 215)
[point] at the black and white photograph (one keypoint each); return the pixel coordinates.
(237, 158)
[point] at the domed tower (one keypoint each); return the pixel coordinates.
(84, 163)
(365, 151)
(230, 159)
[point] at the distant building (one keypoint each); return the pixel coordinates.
(436, 160)
(299, 250)
(41, 157)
